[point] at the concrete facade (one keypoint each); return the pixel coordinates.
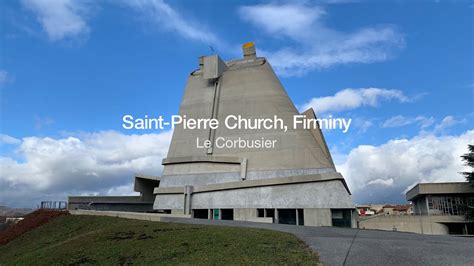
(296, 180)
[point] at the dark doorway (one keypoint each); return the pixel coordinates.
(201, 213)
(341, 217)
(287, 216)
(227, 214)
(460, 228)
(456, 228)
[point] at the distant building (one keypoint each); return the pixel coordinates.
(438, 209)
(380, 209)
(365, 210)
(440, 198)
(368, 209)
(405, 209)
(13, 220)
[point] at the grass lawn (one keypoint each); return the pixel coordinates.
(105, 240)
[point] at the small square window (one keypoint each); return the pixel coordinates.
(271, 213)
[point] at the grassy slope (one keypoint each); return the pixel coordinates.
(105, 240)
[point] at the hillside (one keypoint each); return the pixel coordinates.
(6, 212)
(13, 212)
(30, 222)
(106, 240)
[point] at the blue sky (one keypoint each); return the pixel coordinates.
(69, 71)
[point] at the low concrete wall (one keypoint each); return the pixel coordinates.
(110, 203)
(268, 220)
(156, 217)
(105, 199)
(421, 224)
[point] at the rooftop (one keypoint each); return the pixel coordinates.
(398, 207)
(439, 188)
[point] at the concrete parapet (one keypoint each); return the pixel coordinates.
(421, 224)
(156, 217)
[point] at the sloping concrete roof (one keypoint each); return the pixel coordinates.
(440, 188)
(148, 177)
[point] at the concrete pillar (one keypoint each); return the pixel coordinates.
(427, 206)
(188, 191)
(297, 218)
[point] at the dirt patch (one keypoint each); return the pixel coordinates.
(84, 260)
(124, 260)
(30, 221)
(123, 235)
(144, 237)
(176, 229)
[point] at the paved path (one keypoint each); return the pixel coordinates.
(345, 246)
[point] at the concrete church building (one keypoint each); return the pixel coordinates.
(294, 182)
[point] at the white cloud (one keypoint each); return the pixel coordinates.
(6, 139)
(424, 122)
(383, 173)
(60, 19)
(362, 125)
(383, 182)
(93, 163)
(348, 99)
(446, 123)
(123, 190)
(165, 17)
(41, 122)
(316, 45)
(289, 19)
(400, 121)
(4, 77)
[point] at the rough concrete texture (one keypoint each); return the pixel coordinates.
(346, 246)
(306, 195)
(156, 217)
(421, 224)
(252, 90)
(317, 217)
(173, 201)
(230, 177)
(201, 179)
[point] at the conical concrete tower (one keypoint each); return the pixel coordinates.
(292, 180)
